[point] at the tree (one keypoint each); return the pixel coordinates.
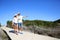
(0, 24)
(9, 23)
(57, 21)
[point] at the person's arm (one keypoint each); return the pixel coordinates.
(12, 22)
(25, 16)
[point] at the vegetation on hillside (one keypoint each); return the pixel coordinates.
(39, 23)
(57, 21)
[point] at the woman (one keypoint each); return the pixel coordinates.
(14, 24)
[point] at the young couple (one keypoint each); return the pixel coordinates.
(17, 23)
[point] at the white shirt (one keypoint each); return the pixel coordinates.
(20, 19)
(15, 20)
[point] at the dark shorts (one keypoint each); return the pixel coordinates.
(20, 24)
(15, 23)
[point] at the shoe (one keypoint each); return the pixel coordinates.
(20, 32)
(16, 32)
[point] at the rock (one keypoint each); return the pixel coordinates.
(3, 36)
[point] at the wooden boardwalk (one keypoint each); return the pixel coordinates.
(26, 35)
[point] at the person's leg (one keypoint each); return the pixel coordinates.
(20, 27)
(15, 28)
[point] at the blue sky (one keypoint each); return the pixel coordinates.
(48, 10)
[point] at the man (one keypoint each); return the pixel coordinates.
(20, 22)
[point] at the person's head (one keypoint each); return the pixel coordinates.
(18, 14)
(15, 16)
